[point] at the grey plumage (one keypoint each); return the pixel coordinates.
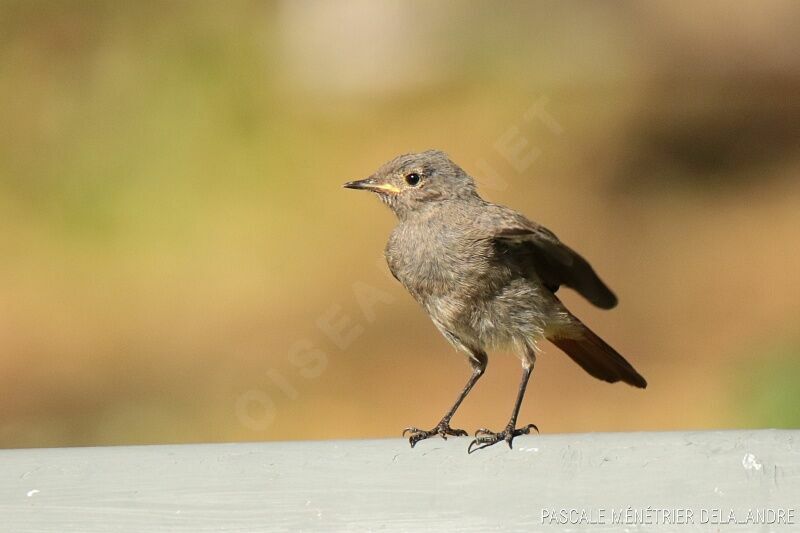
(487, 276)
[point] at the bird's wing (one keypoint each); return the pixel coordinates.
(554, 262)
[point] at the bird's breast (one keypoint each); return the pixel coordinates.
(444, 269)
(464, 286)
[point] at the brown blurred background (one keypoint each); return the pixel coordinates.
(181, 264)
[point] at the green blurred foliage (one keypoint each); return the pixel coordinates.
(768, 395)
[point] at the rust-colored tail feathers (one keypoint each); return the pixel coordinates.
(596, 357)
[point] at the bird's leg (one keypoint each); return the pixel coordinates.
(485, 438)
(443, 429)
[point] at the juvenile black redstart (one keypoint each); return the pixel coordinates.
(487, 276)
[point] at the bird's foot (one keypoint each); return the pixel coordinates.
(443, 430)
(485, 438)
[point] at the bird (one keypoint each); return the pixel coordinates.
(487, 276)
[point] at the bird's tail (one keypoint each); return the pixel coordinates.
(595, 356)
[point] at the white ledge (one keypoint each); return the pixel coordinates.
(385, 485)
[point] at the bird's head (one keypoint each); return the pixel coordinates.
(411, 183)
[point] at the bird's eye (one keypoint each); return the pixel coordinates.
(413, 179)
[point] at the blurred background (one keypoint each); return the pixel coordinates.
(180, 262)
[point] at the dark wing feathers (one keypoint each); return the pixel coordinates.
(554, 262)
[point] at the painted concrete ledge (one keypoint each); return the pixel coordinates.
(603, 482)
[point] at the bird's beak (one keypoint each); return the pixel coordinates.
(371, 184)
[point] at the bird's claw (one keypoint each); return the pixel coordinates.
(485, 438)
(442, 430)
